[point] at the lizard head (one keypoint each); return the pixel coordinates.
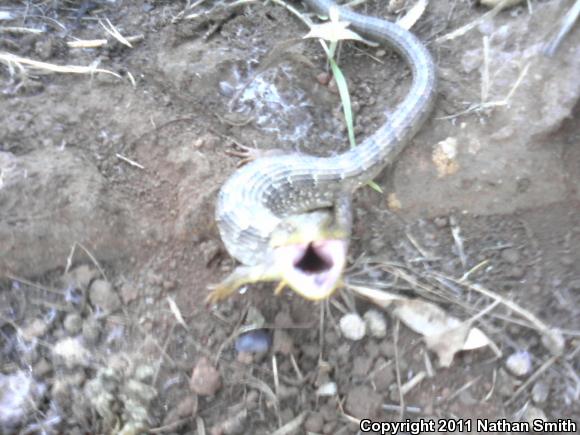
(310, 253)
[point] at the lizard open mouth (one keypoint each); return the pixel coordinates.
(313, 269)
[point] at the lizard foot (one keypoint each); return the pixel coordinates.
(240, 276)
(248, 154)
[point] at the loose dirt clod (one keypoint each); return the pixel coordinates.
(205, 379)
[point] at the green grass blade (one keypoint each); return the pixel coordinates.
(345, 99)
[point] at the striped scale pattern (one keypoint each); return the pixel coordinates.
(256, 197)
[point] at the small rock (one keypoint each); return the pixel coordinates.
(245, 358)
(540, 392)
(387, 348)
(506, 384)
(575, 284)
(169, 285)
(82, 276)
(129, 292)
(285, 391)
(554, 341)
(519, 363)
(102, 295)
(381, 53)
(376, 323)
(323, 78)
(384, 375)
(91, 331)
(144, 373)
(361, 365)
(283, 343)
(328, 389)
(332, 86)
(138, 390)
(71, 352)
(352, 326)
(73, 323)
(510, 255)
(205, 379)
(363, 402)
(314, 423)
(517, 272)
(441, 222)
(37, 328)
(42, 368)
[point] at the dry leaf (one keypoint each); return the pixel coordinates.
(445, 335)
(333, 31)
(379, 297)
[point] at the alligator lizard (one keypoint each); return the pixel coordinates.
(287, 218)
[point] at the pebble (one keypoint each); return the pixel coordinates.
(73, 323)
(384, 375)
(376, 323)
(82, 276)
(361, 365)
(205, 379)
(519, 363)
(37, 328)
(42, 368)
(328, 389)
(363, 402)
(102, 295)
(314, 423)
(352, 326)
(554, 341)
(540, 392)
(91, 331)
(323, 78)
(510, 255)
(517, 272)
(71, 352)
(441, 222)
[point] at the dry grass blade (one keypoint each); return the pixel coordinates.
(411, 17)
(20, 30)
(129, 161)
(112, 30)
(566, 24)
(12, 59)
(553, 337)
(379, 297)
(176, 312)
(470, 26)
(95, 43)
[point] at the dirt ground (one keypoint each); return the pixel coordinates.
(108, 242)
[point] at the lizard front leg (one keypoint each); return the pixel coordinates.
(240, 276)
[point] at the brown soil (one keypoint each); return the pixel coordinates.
(99, 256)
